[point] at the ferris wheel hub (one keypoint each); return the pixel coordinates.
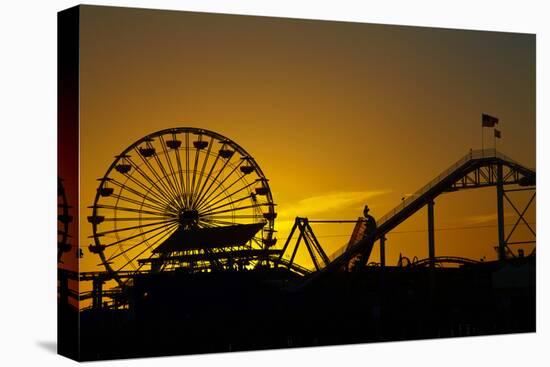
(188, 218)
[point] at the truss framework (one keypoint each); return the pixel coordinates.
(316, 252)
(477, 169)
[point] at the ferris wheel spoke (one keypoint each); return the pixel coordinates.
(206, 205)
(233, 209)
(210, 204)
(197, 155)
(137, 193)
(169, 183)
(130, 210)
(220, 184)
(207, 178)
(163, 228)
(177, 186)
(206, 201)
(130, 219)
(139, 254)
(228, 203)
(124, 252)
(158, 194)
(204, 162)
(131, 228)
(187, 167)
(141, 204)
(180, 170)
(219, 190)
(203, 224)
(160, 191)
(163, 174)
(235, 216)
(172, 185)
(168, 191)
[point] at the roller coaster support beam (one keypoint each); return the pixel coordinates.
(383, 251)
(431, 232)
(500, 214)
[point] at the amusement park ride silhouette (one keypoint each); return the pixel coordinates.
(192, 204)
(189, 198)
(184, 197)
(63, 221)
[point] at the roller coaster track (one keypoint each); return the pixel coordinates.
(478, 168)
(443, 260)
(293, 266)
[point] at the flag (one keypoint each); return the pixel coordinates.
(488, 121)
(497, 133)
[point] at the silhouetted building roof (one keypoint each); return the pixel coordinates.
(206, 238)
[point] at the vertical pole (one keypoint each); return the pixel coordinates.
(97, 290)
(482, 151)
(431, 234)
(432, 320)
(94, 294)
(500, 213)
(383, 251)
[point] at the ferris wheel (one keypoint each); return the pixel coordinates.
(183, 198)
(63, 220)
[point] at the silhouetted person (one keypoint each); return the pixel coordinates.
(370, 227)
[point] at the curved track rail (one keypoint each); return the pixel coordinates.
(478, 168)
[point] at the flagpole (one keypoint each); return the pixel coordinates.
(489, 121)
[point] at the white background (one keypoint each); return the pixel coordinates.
(28, 182)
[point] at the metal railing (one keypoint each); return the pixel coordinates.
(472, 155)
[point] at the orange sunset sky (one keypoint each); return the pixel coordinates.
(337, 114)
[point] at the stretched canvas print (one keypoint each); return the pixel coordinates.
(232, 183)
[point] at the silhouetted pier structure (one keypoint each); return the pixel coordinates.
(279, 303)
